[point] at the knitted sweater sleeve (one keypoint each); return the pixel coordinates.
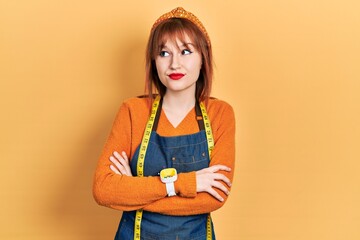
(124, 192)
(224, 153)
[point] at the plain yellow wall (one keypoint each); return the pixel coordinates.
(290, 69)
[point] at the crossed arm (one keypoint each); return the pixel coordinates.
(198, 192)
(206, 179)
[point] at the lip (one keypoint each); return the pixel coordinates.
(176, 76)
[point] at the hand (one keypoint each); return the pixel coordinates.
(120, 164)
(208, 178)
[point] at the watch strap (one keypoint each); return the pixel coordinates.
(170, 189)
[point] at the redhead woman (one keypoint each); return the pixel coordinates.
(169, 159)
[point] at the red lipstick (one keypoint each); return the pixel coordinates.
(176, 76)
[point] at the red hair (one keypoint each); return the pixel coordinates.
(176, 28)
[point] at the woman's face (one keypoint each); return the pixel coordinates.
(178, 66)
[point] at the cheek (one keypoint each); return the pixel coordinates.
(160, 71)
(157, 65)
(160, 66)
(198, 63)
(197, 67)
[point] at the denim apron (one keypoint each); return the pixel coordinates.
(186, 153)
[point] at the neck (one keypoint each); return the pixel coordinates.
(179, 100)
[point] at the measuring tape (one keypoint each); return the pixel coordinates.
(142, 153)
(208, 131)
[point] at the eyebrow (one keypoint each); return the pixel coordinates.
(183, 45)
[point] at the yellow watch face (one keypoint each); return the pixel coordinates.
(167, 173)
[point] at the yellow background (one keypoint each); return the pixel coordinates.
(290, 69)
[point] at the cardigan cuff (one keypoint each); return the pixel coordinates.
(185, 185)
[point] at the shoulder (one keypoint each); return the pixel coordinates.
(220, 113)
(136, 101)
(138, 104)
(134, 109)
(218, 106)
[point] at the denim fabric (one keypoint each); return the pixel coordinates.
(185, 153)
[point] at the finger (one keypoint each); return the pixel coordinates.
(221, 186)
(117, 155)
(222, 177)
(217, 168)
(125, 156)
(114, 169)
(215, 194)
(119, 166)
(127, 166)
(123, 159)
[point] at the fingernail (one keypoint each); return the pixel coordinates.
(221, 199)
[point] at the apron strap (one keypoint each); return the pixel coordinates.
(199, 117)
(157, 116)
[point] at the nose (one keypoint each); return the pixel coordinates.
(175, 62)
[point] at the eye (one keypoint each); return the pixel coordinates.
(164, 54)
(186, 52)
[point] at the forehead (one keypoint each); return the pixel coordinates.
(177, 38)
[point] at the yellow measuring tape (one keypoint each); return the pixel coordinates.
(142, 153)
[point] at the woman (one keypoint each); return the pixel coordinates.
(155, 166)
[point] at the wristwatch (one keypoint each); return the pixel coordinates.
(169, 176)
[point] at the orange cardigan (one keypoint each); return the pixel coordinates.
(131, 193)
